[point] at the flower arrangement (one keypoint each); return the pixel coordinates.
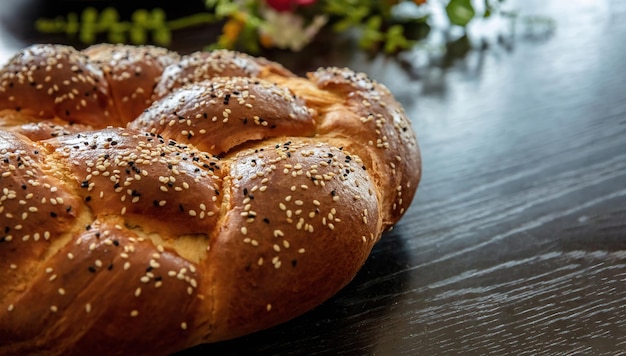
(386, 26)
(293, 24)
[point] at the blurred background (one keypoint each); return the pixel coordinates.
(516, 240)
(271, 27)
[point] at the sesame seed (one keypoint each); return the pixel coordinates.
(134, 313)
(54, 308)
(183, 326)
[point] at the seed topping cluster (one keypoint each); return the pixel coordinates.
(289, 193)
(192, 197)
(220, 114)
(56, 81)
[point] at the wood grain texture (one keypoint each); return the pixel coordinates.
(516, 241)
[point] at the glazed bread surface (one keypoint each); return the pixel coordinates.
(152, 201)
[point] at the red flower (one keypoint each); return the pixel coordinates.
(288, 5)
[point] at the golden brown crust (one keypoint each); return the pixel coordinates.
(37, 129)
(49, 81)
(105, 285)
(146, 179)
(224, 112)
(241, 198)
(369, 111)
(290, 204)
(36, 210)
(200, 66)
(132, 72)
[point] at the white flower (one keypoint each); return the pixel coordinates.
(287, 30)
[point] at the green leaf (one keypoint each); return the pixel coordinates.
(460, 12)
(225, 9)
(162, 36)
(374, 23)
(371, 35)
(396, 41)
(338, 7)
(137, 35)
(354, 18)
(108, 17)
(248, 39)
(117, 33)
(73, 24)
(191, 20)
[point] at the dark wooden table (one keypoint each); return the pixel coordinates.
(516, 241)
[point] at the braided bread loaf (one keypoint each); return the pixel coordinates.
(151, 202)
